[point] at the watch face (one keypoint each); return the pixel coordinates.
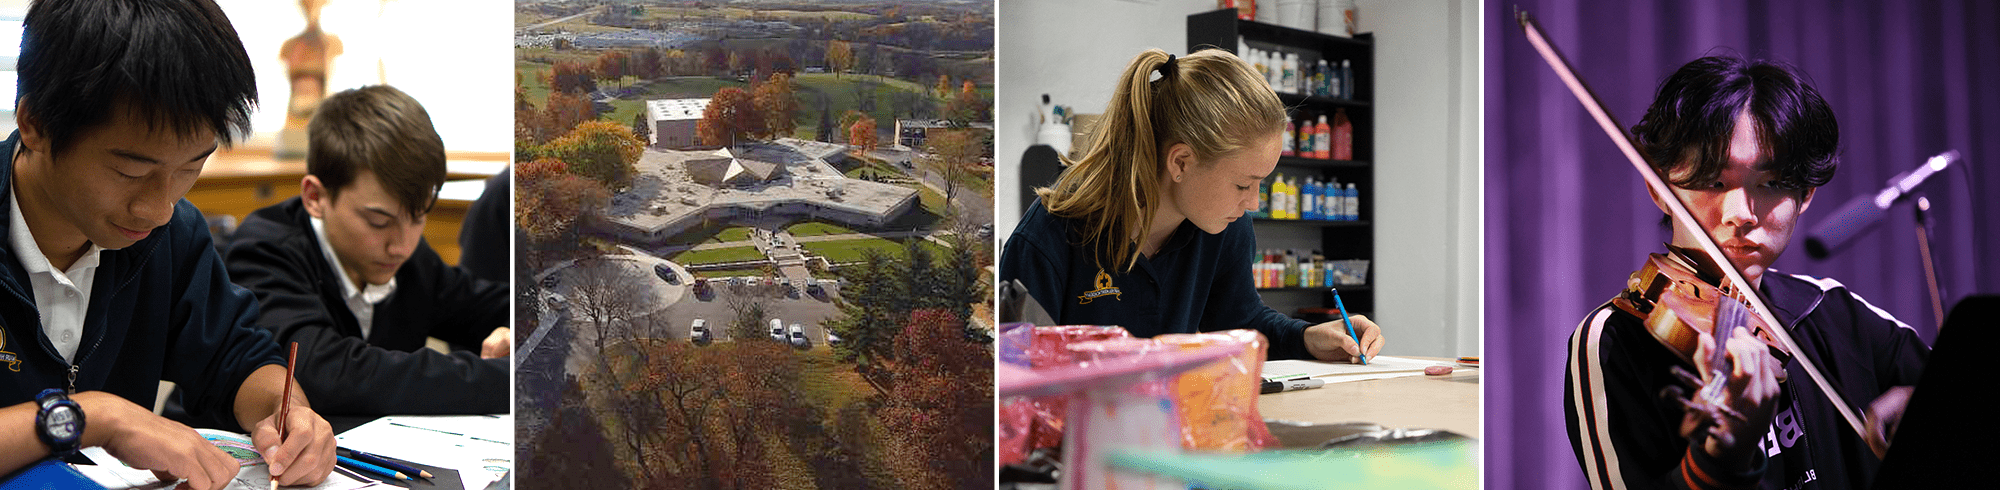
(62, 423)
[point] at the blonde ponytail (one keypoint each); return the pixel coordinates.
(1210, 100)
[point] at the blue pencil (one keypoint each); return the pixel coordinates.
(351, 463)
(385, 462)
(1363, 355)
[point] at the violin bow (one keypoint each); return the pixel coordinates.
(1679, 211)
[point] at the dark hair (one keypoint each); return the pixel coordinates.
(176, 63)
(1686, 131)
(381, 130)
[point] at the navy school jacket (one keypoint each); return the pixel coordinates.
(161, 309)
(276, 255)
(1197, 282)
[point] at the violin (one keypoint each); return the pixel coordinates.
(1684, 295)
(1687, 304)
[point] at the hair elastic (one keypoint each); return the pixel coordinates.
(1167, 69)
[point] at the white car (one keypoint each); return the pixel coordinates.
(698, 332)
(832, 339)
(799, 338)
(777, 330)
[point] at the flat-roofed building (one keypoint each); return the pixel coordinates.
(673, 122)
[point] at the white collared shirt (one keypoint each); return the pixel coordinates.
(62, 297)
(360, 301)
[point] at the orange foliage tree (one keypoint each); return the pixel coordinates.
(731, 116)
(779, 108)
(550, 201)
(572, 77)
(862, 134)
(613, 66)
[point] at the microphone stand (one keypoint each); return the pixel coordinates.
(1923, 208)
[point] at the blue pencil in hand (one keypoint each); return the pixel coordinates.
(1363, 354)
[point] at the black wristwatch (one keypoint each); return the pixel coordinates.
(60, 422)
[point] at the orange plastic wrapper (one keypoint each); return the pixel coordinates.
(1217, 402)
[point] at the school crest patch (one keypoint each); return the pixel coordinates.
(13, 362)
(1104, 288)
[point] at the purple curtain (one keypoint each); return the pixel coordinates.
(1567, 218)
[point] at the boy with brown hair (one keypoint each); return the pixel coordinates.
(344, 271)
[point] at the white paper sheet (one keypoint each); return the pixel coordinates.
(114, 474)
(480, 447)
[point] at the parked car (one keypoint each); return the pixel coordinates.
(986, 231)
(666, 274)
(813, 288)
(832, 339)
(799, 338)
(753, 280)
(777, 330)
(700, 286)
(698, 332)
(791, 289)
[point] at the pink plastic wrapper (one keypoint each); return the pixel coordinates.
(1216, 402)
(1029, 423)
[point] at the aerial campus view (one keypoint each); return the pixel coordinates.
(754, 243)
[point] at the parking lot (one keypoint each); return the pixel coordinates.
(667, 310)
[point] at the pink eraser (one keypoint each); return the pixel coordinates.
(1437, 370)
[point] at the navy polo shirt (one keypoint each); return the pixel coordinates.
(1197, 282)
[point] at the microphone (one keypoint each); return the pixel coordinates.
(1862, 212)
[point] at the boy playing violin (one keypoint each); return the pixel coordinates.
(1743, 143)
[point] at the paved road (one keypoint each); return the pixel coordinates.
(579, 15)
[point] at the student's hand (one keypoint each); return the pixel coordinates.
(147, 441)
(1884, 414)
(305, 456)
(1329, 341)
(1750, 392)
(497, 344)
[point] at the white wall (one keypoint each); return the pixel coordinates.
(1427, 141)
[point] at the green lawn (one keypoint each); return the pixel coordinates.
(711, 233)
(850, 250)
(730, 254)
(733, 234)
(817, 228)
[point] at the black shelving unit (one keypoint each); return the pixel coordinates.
(1337, 240)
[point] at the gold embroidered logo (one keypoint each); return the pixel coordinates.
(12, 361)
(1104, 288)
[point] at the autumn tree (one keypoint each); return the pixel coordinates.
(967, 107)
(550, 201)
(862, 134)
(731, 116)
(777, 105)
(572, 77)
(941, 406)
(613, 66)
(839, 56)
(601, 150)
(943, 86)
(954, 156)
(648, 63)
(563, 112)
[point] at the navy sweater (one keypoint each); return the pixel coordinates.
(1197, 282)
(161, 309)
